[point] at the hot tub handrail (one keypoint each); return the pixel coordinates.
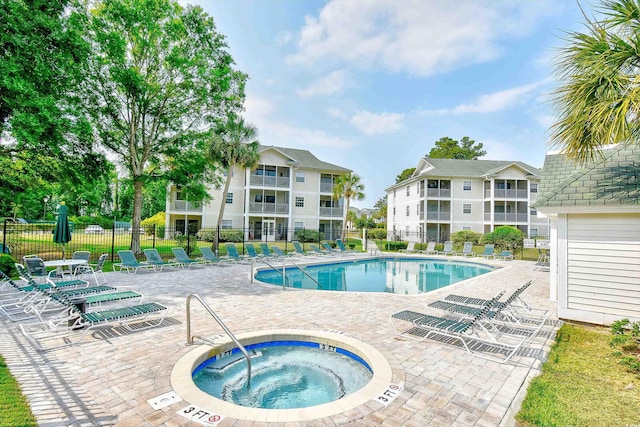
(284, 273)
(222, 325)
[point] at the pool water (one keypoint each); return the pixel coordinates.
(392, 275)
(284, 375)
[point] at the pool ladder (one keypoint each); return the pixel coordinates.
(190, 338)
(285, 279)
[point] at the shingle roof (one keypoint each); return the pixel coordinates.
(612, 180)
(305, 159)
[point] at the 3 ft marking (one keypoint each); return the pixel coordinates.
(327, 347)
(390, 394)
(200, 416)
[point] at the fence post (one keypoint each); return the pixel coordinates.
(188, 240)
(4, 235)
(217, 239)
(113, 242)
(153, 231)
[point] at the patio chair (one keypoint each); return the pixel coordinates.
(182, 258)
(330, 250)
(430, 249)
(35, 267)
(209, 257)
(343, 249)
(26, 276)
(266, 252)
(315, 250)
(251, 251)
(475, 338)
(129, 262)
(448, 249)
(93, 270)
(234, 256)
(505, 256)
(153, 258)
(299, 251)
(279, 255)
(410, 248)
(488, 251)
(467, 250)
(70, 325)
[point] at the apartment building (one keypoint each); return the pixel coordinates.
(444, 196)
(288, 190)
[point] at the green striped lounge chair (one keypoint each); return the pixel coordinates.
(209, 257)
(182, 258)
(154, 259)
(129, 262)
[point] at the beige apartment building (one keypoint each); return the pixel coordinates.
(444, 196)
(288, 190)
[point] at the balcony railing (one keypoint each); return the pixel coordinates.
(507, 194)
(326, 187)
(183, 205)
(438, 192)
(269, 181)
(438, 216)
(278, 208)
(506, 217)
(332, 212)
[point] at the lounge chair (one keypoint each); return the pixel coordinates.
(513, 308)
(410, 248)
(342, 248)
(71, 325)
(299, 251)
(234, 256)
(505, 256)
(279, 255)
(330, 250)
(266, 252)
(251, 251)
(467, 250)
(129, 262)
(488, 251)
(473, 336)
(93, 270)
(448, 249)
(182, 258)
(430, 249)
(209, 257)
(154, 259)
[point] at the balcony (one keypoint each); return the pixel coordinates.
(269, 181)
(184, 206)
(331, 212)
(272, 208)
(326, 187)
(438, 193)
(438, 216)
(506, 217)
(507, 194)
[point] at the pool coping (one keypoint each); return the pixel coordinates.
(183, 385)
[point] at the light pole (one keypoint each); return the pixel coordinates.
(44, 213)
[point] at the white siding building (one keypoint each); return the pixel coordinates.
(595, 235)
(288, 190)
(444, 196)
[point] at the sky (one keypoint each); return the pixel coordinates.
(371, 85)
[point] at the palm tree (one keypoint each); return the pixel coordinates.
(599, 98)
(349, 187)
(235, 144)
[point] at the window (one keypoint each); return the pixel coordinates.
(466, 228)
(408, 210)
(226, 223)
(533, 212)
(298, 226)
(299, 176)
(408, 189)
(229, 198)
(299, 202)
(466, 185)
(534, 187)
(269, 199)
(533, 232)
(258, 198)
(466, 208)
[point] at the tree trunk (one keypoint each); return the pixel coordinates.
(135, 217)
(223, 202)
(344, 221)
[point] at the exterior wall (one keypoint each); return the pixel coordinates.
(598, 267)
(460, 197)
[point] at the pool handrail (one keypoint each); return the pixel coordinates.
(222, 325)
(283, 272)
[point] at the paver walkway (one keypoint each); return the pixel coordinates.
(108, 378)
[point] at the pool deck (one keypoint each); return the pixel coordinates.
(108, 378)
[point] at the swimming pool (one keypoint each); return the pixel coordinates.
(408, 276)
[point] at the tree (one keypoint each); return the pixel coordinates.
(161, 79)
(465, 149)
(380, 209)
(597, 100)
(235, 144)
(351, 218)
(348, 186)
(405, 174)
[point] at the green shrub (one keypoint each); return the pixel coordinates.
(234, 236)
(7, 265)
(505, 238)
(390, 245)
(307, 236)
(207, 234)
(377, 234)
(465, 236)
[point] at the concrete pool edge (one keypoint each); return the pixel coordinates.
(182, 383)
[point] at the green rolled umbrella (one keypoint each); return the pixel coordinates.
(62, 230)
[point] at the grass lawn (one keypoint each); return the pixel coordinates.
(14, 409)
(582, 384)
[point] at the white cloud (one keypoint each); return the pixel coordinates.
(337, 113)
(413, 36)
(284, 37)
(545, 120)
(376, 124)
(326, 85)
(496, 101)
